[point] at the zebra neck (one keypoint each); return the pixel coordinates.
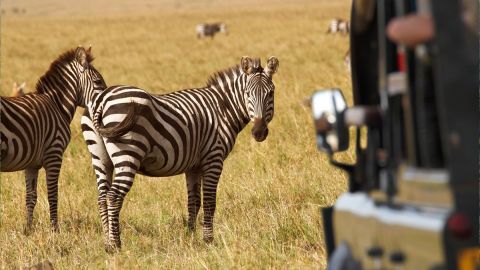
(232, 103)
(60, 84)
(65, 98)
(93, 102)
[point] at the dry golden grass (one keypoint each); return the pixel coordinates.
(269, 194)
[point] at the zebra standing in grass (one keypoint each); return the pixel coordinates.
(35, 128)
(209, 30)
(190, 131)
(338, 26)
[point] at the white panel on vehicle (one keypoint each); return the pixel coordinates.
(360, 204)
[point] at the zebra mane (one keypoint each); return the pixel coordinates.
(214, 80)
(55, 68)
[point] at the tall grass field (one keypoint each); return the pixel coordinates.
(270, 193)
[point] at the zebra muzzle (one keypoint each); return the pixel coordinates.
(260, 129)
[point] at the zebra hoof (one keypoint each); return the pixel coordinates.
(27, 229)
(55, 228)
(191, 227)
(208, 239)
(113, 246)
(111, 249)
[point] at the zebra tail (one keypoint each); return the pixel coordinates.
(121, 128)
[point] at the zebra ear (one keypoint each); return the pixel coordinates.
(89, 54)
(81, 57)
(247, 65)
(272, 66)
(23, 85)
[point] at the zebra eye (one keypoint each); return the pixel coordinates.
(98, 82)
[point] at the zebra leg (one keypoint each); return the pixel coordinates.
(209, 188)
(114, 205)
(31, 176)
(124, 175)
(102, 165)
(194, 198)
(52, 168)
(103, 172)
(104, 182)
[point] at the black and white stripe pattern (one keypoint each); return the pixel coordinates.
(190, 131)
(35, 128)
(209, 30)
(338, 26)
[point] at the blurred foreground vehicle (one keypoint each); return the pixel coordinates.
(413, 189)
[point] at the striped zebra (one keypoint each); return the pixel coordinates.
(209, 30)
(338, 26)
(190, 131)
(35, 128)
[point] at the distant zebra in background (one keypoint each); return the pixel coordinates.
(209, 30)
(35, 128)
(18, 90)
(190, 131)
(338, 26)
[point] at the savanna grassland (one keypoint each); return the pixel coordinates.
(270, 193)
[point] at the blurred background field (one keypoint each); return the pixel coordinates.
(269, 194)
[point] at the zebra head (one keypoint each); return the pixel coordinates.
(259, 93)
(91, 81)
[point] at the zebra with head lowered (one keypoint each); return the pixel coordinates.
(190, 131)
(35, 128)
(209, 30)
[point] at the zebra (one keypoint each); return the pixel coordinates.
(35, 128)
(18, 90)
(191, 131)
(338, 26)
(209, 30)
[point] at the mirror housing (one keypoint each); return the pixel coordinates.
(328, 110)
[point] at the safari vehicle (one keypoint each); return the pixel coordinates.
(413, 191)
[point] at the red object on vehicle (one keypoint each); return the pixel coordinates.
(401, 63)
(459, 225)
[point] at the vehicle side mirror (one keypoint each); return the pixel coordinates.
(328, 108)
